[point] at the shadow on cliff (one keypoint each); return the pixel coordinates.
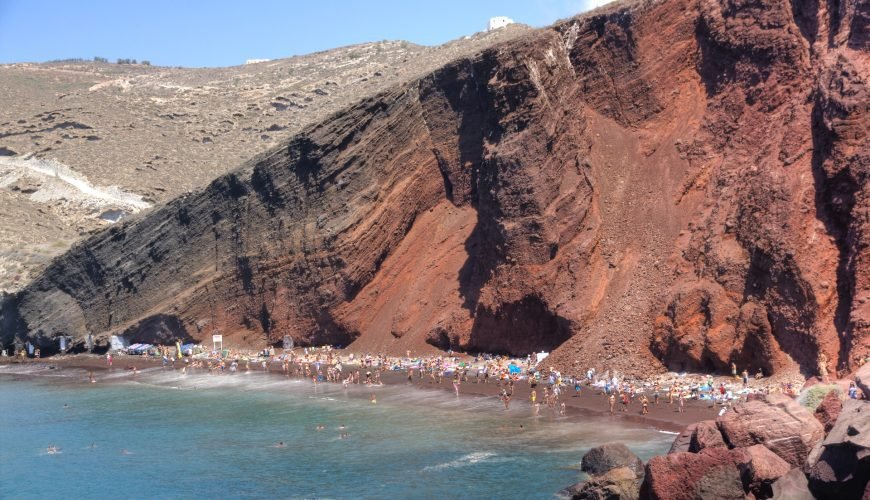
(835, 198)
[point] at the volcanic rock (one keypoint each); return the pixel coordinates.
(675, 184)
(862, 379)
(778, 422)
(840, 468)
(829, 409)
(706, 435)
(684, 439)
(712, 473)
(605, 457)
(759, 468)
(620, 483)
(792, 486)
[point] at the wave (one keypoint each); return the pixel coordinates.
(463, 461)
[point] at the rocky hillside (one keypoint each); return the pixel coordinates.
(157, 132)
(675, 183)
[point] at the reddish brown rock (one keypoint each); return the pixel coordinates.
(829, 409)
(684, 439)
(778, 422)
(672, 184)
(712, 473)
(759, 468)
(706, 435)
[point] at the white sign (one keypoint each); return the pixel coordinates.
(217, 338)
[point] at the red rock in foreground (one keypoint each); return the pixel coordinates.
(674, 184)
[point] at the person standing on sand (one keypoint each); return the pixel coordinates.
(645, 405)
(625, 402)
(745, 375)
(612, 400)
(456, 382)
(109, 359)
(734, 370)
(682, 398)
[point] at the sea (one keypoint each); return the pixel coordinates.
(162, 434)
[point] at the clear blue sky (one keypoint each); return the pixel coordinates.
(225, 33)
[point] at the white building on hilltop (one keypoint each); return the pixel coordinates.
(498, 22)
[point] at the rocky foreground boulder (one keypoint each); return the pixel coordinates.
(615, 473)
(839, 467)
(828, 410)
(743, 452)
(777, 422)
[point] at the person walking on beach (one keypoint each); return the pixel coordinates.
(625, 402)
(645, 405)
(456, 382)
(745, 378)
(109, 359)
(682, 398)
(612, 400)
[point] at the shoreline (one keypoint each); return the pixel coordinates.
(590, 403)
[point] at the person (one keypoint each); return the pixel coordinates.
(853, 390)
(656, 393)
(280, 445)
(342, 432)
(823, 367)
(759, 375)
(612, 400)
(562, 409)
(456, 383)
(645, 405)
(109, 359)
(682, 397)
(374, 399)
(91, 378)
(745, 375)
(506, 399)
(734, 370)
(576, 387)
(533, 397)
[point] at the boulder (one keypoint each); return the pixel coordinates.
(620, 483)
(608, 456)
(778, 422)
(683, 440)
(792, 486)
(840, 467)
(862, 379)
(759, 468)
(712, 473)
(706, 435)
(828, 410)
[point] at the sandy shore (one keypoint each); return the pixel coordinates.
(591, 402)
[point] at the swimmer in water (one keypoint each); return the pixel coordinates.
(280, 445)
(91, 378)
(65, 406)
(52, 450)
(374, 400)
(342, 431)
(126, 452)
(320, 427)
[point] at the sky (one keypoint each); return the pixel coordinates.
(226, 33)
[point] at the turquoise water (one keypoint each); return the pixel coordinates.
(165, 435)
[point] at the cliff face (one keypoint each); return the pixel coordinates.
(678, 183)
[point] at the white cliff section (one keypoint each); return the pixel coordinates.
(56, 182)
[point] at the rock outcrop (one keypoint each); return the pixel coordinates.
(840, 466)
(674, 184)
(777, 422)
(828, 410)
(768, 448)
(615, 473)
